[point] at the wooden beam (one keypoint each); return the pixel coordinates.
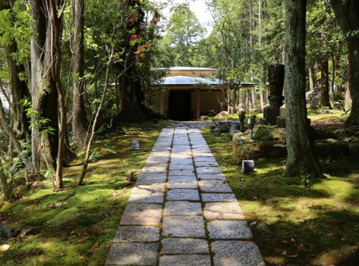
(196, 111)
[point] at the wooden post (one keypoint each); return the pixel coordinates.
(196, 97)
(163, 106)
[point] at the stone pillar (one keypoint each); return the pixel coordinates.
(276, 82)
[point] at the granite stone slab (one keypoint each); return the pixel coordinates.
(154, 169)
(182, 208)
(211, 176)
(148, 189)
(216, 197)
(202, 154)
(185, 260)
(181, 156)
(222, 229)
(183, 226)
(214, 186)
(209, 170)
(146, 198)
(144, 181)
(206, 164)
(154, 175)
(179, 172)
(142, 214)
(183, 194)
(182, 178)
(181, 166)
(137, 234)
(184, 246)
(181, 161)
(236, 253)
(182, 184)
(133, 254)
(223, 211)
(204, 159)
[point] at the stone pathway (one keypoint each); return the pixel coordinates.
(182, 211)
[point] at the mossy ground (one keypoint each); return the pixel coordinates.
(80, 228)
(294, 224)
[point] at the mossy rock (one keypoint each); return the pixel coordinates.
(263, 133)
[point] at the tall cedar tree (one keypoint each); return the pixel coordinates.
(19, 89)
(347, 14)
(301, 159)
(44, 92)
(79, 119)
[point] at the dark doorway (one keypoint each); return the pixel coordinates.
(179, 105)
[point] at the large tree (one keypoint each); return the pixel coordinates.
(79, 119)
(43, 90)
(347, 14)
(301, 156)
(18, 87)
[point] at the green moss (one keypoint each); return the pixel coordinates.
(263, 133)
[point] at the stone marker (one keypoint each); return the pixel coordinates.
(247, 166)
(135, 145)
(276, 82)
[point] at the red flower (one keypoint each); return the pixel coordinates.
(132, 19)
(152, 21)
(141, 23)
(126, 7)
(142, 55)
(148, 46)
(139, 49)
(139, 35)
(136, 15)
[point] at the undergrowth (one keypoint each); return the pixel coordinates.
(76, 226)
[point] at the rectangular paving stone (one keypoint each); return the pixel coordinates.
(142, 214)
(146, 198)
(212, 176)
(204, 159)
(236, 253)
(223, 211)
(183, 226)
(153, 176)
(184, 246)
(154, 169)
(144, 181)
(181, 184)
(214, 186)
(182, 208)
(182, 178)
(185, 260)
(181, 156)
(181, 161)
(206, 164)
(224, 229)
(179, 172)
(133, 254)
(183, 194)
(181, 166)
(148, 189)
(209, 170)
(216, 197)
(137, 234)
(202, 154)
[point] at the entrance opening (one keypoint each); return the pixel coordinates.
(179, 105)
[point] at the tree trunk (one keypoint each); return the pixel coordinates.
(324, 97)
(347, 15)
(79, 119)
(348, 94)
(18, 88)
(311, 79)
(44, 92)
(301, 160)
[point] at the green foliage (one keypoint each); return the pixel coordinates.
(64, 216)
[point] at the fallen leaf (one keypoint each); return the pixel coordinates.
(326, 175)
(268, 223)
(181, 169)
(253, 223)
(285, 241)
(230, 177)
(52, 205)
(284, 253)
(82, 239)
(320, 218)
